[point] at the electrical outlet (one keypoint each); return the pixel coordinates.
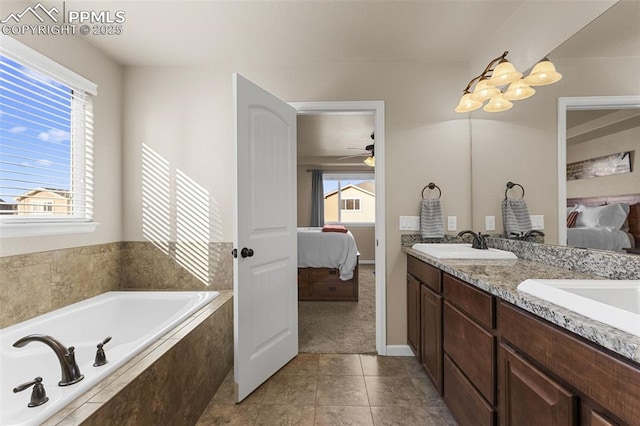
(409, 223)
(452, 223)
(490, 223)
(537, 221)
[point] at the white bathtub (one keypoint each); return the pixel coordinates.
(134, 320)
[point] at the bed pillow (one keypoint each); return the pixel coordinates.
(572, 218)
(610, 216)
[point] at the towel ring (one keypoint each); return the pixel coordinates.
(511, 185)
(432, 186)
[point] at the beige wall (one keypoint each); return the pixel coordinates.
(626, 183)
(365, 237)
(188, 124)
(520, 145)
(75, 54)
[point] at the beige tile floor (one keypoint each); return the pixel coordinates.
(335, 389)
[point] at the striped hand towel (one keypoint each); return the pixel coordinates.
(431, 223)
(515, 216)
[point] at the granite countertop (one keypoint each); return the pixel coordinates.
(501, 278)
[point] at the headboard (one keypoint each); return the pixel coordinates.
(634, 209)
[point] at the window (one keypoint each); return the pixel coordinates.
(46, 142)
(349, 198)
(350, 204)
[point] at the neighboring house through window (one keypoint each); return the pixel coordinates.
(349, 198)
(46, 142)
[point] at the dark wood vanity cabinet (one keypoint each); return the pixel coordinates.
(424, 317)
(496, 364)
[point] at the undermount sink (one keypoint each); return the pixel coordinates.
(613, 302)
(461, 251)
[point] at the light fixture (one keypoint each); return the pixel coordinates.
(518, 90)
(467, 104)
(483, 91)
(498, 73)
(498, 104)
(543, 73)
(370, 161)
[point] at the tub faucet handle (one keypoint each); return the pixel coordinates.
(101, 357)
(38, 395)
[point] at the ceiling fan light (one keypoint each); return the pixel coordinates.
(370, 161)
(543, 73)
(467, 104)
(518, 90)
(482, 91)
(498, 104)
(504, 73)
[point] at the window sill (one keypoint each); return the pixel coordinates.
(18, 230)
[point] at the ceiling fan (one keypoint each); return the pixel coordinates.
(369, 152)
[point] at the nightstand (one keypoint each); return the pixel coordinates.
(632, 250)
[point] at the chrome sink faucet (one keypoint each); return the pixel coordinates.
(479, 241)
(66, 357)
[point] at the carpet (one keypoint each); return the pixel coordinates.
(340, 327)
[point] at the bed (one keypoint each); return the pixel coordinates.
(606, 223)
(327, 266)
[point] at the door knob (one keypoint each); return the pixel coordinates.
(246, 252)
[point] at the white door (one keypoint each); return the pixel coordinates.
(265, 270)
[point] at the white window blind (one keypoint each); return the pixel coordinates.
(46, 139)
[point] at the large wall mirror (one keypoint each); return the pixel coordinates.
(598, 147)
(527, 144)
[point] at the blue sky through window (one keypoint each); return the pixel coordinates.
(35, 131)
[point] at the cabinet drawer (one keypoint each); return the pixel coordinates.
(303, 274)
(528, 397)
(304, 288)
(331, 289)
(464, 402)
(426, 273)
(324, 274)
(472, 348)
(472, 301)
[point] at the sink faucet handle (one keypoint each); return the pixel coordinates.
(39, 394)
(101, 357)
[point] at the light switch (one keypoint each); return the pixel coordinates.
(452, 223)
(489, 223)
(537, 221)
(409, 223)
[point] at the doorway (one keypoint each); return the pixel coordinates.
(377, 279)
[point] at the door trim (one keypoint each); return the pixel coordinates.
(377, 108)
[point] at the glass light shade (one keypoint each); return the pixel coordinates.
(370, 161)
(467, 104)
(504, 73)
(542, 74)
(498, 104)
(518, 90)
(482, 92)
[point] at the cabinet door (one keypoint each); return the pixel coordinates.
(413, 315)
(431, 339)
(529, 397)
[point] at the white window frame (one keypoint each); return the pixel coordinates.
(82, 146)
(341, 176)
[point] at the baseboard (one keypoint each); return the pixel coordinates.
(399, 350)
(367, 262)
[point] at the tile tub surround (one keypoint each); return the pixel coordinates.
(147, 267)
(34, 284)
(171, 382)
(501, 278)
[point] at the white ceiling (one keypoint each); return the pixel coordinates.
(172, 32)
